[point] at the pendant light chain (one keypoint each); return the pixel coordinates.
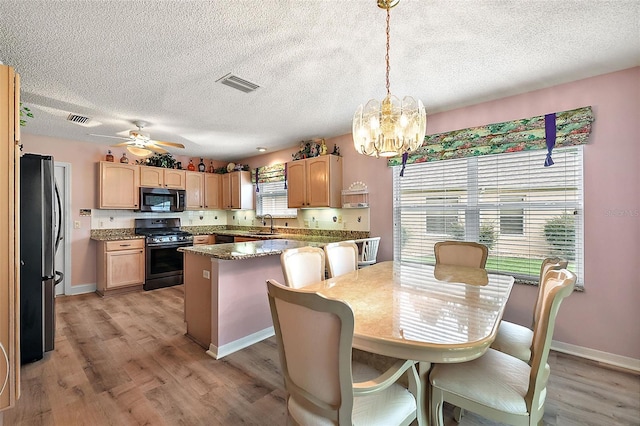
(387, 55)
(392, 126)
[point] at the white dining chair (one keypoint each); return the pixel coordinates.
(341, 257)
(461, 253)
(368, 251)
(515, 339)
(302, 266)
(501, 387)
(315, 336)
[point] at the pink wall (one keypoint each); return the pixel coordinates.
(604, 317)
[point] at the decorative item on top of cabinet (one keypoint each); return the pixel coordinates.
(201, 166)
(357, 196)
(120, 266)
(315, 182)
(211, 168)
(191, 167)
(109, 156)
(118, 185)
(124, 159)
(237, 190)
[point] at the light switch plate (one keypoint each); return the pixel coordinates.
(206, 274)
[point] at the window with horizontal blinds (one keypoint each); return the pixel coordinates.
(272, 199)
(523, 212)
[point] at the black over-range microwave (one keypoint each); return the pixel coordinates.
(162, 200)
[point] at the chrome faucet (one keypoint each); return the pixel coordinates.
(264, 221)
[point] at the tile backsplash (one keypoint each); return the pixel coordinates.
(333, 219)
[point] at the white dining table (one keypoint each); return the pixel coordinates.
(426, 313)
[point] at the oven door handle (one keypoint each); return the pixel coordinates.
(168, 246)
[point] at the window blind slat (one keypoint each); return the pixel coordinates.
(272, 199)
(522, 211)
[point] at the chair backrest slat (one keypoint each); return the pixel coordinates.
(368, 252)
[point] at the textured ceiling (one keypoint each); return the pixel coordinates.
(315, 60)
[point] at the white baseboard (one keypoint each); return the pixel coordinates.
(81, 289)
(595, 355)
(236, 345)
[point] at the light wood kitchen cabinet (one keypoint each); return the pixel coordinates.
(120, 266)
(195, 191)
(243, 239)
(160, 177)
(203, 191)
(212, 191)
(237, 190)
(9, 237)
(118, 185)
(202, 239)
(315, 182)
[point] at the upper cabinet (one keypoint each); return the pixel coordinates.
(195, 190)
(203, 191)
(237, 190)
(159, 177)
(315, 182)
(118, 185)
(213, 191)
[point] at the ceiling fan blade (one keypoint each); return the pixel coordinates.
(156, 149)
(112, 137)
(122, 144)
(173, 144)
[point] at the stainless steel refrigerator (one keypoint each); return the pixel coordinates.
(41, 221)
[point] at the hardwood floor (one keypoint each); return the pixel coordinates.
(124, 360)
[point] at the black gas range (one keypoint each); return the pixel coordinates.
(164, 263)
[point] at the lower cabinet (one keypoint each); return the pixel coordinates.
(120, 266)
(203, 239)
(244, 239)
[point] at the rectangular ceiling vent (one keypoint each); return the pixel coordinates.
(238, 83)
(79, 119)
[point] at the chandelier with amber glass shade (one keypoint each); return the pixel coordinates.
(390, 127)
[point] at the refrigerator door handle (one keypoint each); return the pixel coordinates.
(60, 214)
(58, 280)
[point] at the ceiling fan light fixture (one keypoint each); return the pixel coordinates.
(261, 149)
(391, 127)
(140, 152)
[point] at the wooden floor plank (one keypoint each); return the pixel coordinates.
(124, 360)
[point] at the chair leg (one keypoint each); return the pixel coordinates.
(436, 407)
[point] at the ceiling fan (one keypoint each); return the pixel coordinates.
(140, 143)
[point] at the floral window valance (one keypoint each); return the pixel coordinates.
(273, 173)
(571, 128)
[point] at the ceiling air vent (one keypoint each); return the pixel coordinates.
(79, 119)
(238, 83)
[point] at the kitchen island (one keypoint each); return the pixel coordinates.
(225, 293)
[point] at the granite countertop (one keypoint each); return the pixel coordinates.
(251, 249)
(114, 234)
(307, 235)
